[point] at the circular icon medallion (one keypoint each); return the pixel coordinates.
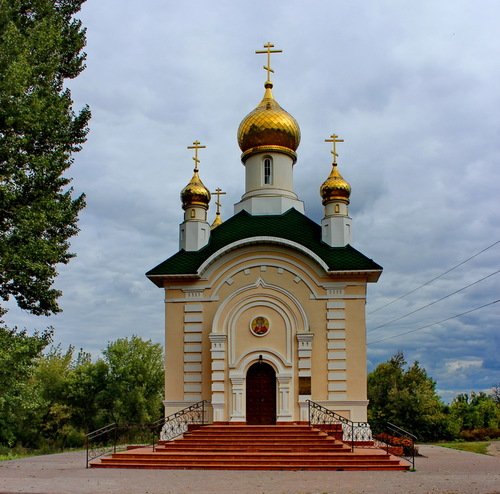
(259, 326)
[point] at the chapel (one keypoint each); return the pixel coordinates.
(266, 310)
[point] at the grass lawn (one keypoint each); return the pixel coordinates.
(17, 453)
(480, 447)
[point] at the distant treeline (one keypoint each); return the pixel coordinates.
(406, 396)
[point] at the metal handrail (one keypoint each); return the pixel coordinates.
(92, 454)
(177, 423)
(352, 432)
(398, 437)
(105, 440)
(360, 433)
(402, 431)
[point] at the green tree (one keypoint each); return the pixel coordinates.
(475, 411)
(406, 396)
(86, 392)
(19, 354)
(40, 47)
(134, 390)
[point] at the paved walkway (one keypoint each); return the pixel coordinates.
(441, 471)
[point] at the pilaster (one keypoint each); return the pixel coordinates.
(192, 340)
(218, 354)
(336, 350)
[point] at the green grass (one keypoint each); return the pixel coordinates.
(19, 452)
(480, 447)
(15, 454)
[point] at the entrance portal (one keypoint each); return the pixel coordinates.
(261, 394)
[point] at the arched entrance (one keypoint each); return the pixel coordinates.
(261, 394)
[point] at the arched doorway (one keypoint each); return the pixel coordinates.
(261, 394)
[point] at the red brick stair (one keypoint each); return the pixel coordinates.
(254, 447)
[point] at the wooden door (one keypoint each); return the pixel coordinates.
(261, 394)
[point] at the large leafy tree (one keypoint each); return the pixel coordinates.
(406, 396)
(134, 381)
(40, 48)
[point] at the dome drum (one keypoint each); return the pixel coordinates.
(269, 149)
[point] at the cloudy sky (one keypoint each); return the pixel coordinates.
(412, 87)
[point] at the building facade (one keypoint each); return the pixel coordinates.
(266, 310)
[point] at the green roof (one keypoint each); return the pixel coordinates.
(292, 226)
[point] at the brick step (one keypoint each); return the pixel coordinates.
(209, 429)
(263, 447)
(242, 466)
(285, 433)
(264, 433)
(251, 456)
(272, 428)
(302, 451)
(248, 440)
(256, 458)
(303, 446)
(258, 465)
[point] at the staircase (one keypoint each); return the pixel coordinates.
(253, 447)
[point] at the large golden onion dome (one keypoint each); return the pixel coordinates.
(268, 128)
(335, 188)
(195, 193)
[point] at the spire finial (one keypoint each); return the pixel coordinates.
(268, 51)
(217, 221)
(196, 145)
(334, 138)
(218, 192)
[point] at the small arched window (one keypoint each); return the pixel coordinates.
(268, 171)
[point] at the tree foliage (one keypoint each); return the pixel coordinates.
(40, 47)
(135, 380)
(19, 354)
(406, 396)
(475, 411)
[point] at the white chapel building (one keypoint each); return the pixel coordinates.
(266, 310)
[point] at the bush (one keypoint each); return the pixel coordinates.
(483, 434)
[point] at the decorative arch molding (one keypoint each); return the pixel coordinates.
(274, 359)
(262, 240)
(272, 302)
(232, 269)
(301, 325)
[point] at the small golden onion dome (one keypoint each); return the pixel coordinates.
(195, 193)
(268, 127)
(217, 221)
(335, 188)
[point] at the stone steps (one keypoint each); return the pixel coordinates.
(240, 447)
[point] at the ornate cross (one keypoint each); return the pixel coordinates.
(334, 138)
(218, 192)
(196, 145)
(268, 51)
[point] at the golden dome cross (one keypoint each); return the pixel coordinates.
(196, 145)
(268, 50)
(334, 138)
(218, 192)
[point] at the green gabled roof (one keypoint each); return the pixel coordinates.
(292, 225)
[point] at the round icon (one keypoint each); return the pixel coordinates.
(259, 326)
